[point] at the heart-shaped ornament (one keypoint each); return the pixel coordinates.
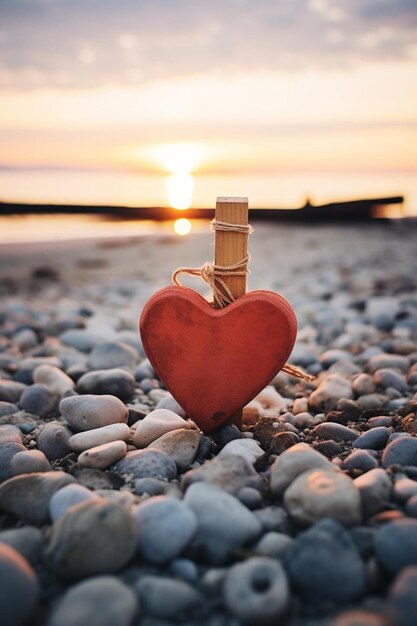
(214, 361)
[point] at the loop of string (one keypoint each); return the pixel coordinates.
(222, 295)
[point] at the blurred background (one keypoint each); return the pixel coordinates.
(170, 103)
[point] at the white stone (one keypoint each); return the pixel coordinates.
(103, 456)
(98, 436)
(55, 379)
(248, 448)
(156, 424)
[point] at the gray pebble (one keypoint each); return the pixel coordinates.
(7, 408)
(360, 460)
(29, 461)
(404, 489)
(92, 411)
(179, 598)
(81, 339)
(99, 601)
(363, 384)
(115, 382)
(411, 507)
(28, 541)
(375, 490)
(11, 391)
(91, 538)
(165, 526)
(39, 400)
(19, 589)
(27, 496)
(150, 486)
(324, 565)
(390, 378)
(224, 524)
(250, 497)
(112, 354)
(380, 420)
(53, 440)
(7, 452)
(394, 361)
(374, 439)
(231, 473)
(147, 463)
(256, 590)
(185, 569)
(144, 370)
(396, 545)
(292, 463)
(274, 545)
(401, 451)
(332, 430)
(402, 607)
(67, 497)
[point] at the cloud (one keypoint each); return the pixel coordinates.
(89, 43)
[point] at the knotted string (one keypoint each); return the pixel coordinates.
(212, 274)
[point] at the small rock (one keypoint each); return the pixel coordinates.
(156, 424)
(87, 412)
(181, 445)
(359, 460)
(225, 434)
(91, 538)
(401, 451)
(250, 497)
(29, 461)
(19, 589)
(179, 598)
(39, 400)
(7, 452)
(375, 491)
(392, 361)
(332, 430)
(167, 518)
(402, 607)
(170, 404)
(386, 378)
(7, 408)
(27, 496)
(411, 506)
(325, 566)
(101, 457)
(81, 339)
(292, 463)
(28, 541)
(144, 463)
(53, 441)
(68, 496)
(396, 545)
(274, 545)
(247, 448)
(363, 384)
(115, 382)
(231, 473)
(329, 392)
(224, 524)
(374, 439)
(320, 493)
(185, 569)
(55, 379)
(116, 601)
(98, 436)
(256, 590)
(404, 489)
(11, 391)
(112, 354)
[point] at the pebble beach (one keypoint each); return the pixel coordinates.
(116, 510)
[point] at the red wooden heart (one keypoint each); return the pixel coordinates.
(214, 361)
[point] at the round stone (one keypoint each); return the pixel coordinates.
(403, 598)
(39, 400)
(181, 445)
(115, 382)
(248, 448)
(30, 461)
(19, 589)
(147, 463)
(98, 436)
(322, 493)
(156, 424)
(67, 497)
(374, 439)
(334, 431)
(7, 452)
(360, 460)
(401, 451)
(112, 354)
(292, 463)
(28, 541)
(256, 590)
(101, 457)
(53, 440)
(179, 598)
(90, 411)
(396, 545)
(55, 379)
(167, 518)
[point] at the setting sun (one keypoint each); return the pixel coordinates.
(182, 226)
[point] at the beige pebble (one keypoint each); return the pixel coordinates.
(181, 445)
(156, 424)
(55, 379)
(103, 456)
(98, 436)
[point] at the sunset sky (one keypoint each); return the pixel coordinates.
(213, 88)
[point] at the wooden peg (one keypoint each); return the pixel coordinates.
(231, 247)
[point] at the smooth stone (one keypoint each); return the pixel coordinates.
(320, 493)
(380, 420)
(112, 354)
(29, 461)
(19, 589)
(150, 486)
(156, 424)
(11, 391)
(250, 497)
(231, 473)
(332, 430)
(372, 401)
(99, 601)
(375, 490)
(274, 545)
(7, 408)
(164, 518)
(167, 598)
(396, 545)
(90, 411)
(144, 370)
(53, 440)
(181, 445)
(256, 590)
(391, 361)
(10, 434)
(402, 602)
(374, 439)
(247, 448)
(169, 403)
(67, 497)
(273, 518)
(404, 489)
(147, 463)
(360, 460)
(28, 541)
(185, 569)
(7, 452)
(224, 524)
(26, 339)
(123, 497)
(39, 400)
(390, 378)
(27, 496)
(115, 382)
(401, 451)
(324, 565)
(91, 538)
(55, 379)
(363, 384)
(329, 392)
(98, 436)
(292, 463)
(411, 507)
(101, 457)
(82, 339)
